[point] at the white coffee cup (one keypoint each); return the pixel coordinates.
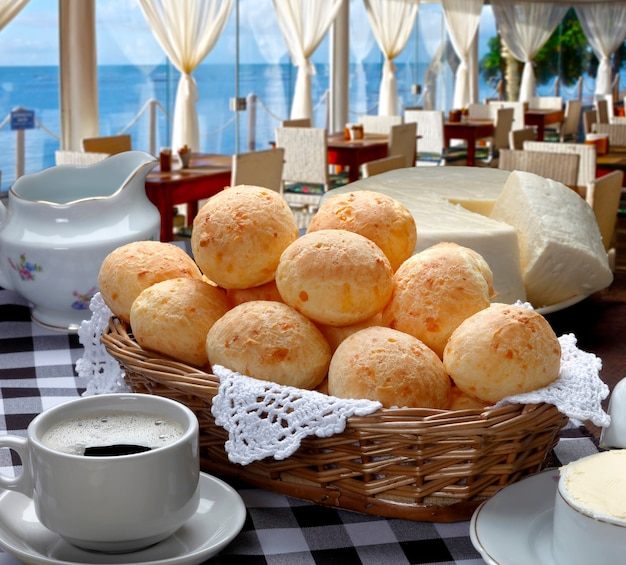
(111, 503)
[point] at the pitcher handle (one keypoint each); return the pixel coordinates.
(4, 280)
(23, 482)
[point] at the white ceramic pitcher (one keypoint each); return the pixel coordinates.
(60, 224)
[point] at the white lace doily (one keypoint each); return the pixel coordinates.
(102, 371)
(264, 419)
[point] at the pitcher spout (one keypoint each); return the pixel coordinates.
(137, 163)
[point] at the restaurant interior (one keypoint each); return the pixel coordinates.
(302, 476)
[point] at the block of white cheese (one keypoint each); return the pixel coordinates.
(589, 523)
(561, 249)
(452, 204)
(572, 262)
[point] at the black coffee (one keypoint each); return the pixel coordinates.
(102, 435)
(112, 450)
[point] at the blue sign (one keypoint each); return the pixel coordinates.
(22, 119)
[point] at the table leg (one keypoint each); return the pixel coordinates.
(540, 131)
(353, 170)
(192, 211)
(471, 152)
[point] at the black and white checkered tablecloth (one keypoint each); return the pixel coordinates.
(37, 372)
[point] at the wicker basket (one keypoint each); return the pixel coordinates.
(416, 464)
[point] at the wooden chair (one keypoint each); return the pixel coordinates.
(586, 163)
(517, 137)
(383, 165)
(545, 103)
(561, 167)
(379, 124)
(571, 123)
(518, 111)
(500, 139)
(297, 123)
(111, 144)
(590, 117)
(616, 133)
(477, 111)
(306, 156)
(603, 195)
(403, 141)
(77, 158)
(431, 144)
(602, 109)
(259, 168)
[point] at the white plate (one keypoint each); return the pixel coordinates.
(219, 519)
(514, 527)
(561, 305)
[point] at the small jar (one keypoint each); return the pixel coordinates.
(165, 159)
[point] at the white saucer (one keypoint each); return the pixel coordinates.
(514, 527)
(219, 519)
(561, 305)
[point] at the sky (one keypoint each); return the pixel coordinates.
(124, 35)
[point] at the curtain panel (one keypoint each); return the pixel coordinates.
(304, 24)
(604, 26)
(524, 28)
(462, 19)
(9, 9)
(187, 30)
(392, 23)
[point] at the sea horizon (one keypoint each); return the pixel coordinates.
(125, 89)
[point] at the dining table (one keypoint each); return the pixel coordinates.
(614, 159)
(352, 153)
(470, 131)
(206, 175)
(38, 370)
(542, 117)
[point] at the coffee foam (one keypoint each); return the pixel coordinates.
(75, 435)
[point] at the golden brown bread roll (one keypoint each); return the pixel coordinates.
(239, 234)
(502, 350)
(267, 291)
(461, 401)
(390, 366)
(173, 317)
(336, 334)
(335, 277)
(435, 290)
(379, 217)
(269, 341)
(133, 267)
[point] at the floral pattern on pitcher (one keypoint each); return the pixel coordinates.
(25, 268)
(82, 300)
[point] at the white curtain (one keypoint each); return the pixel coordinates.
(524, 28)
(604, 26)
(392, 23)
(187, 30)
(462, 18)
(9, 9)
(361, 43)
(304, 24)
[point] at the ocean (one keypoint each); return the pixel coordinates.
(124, 90)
